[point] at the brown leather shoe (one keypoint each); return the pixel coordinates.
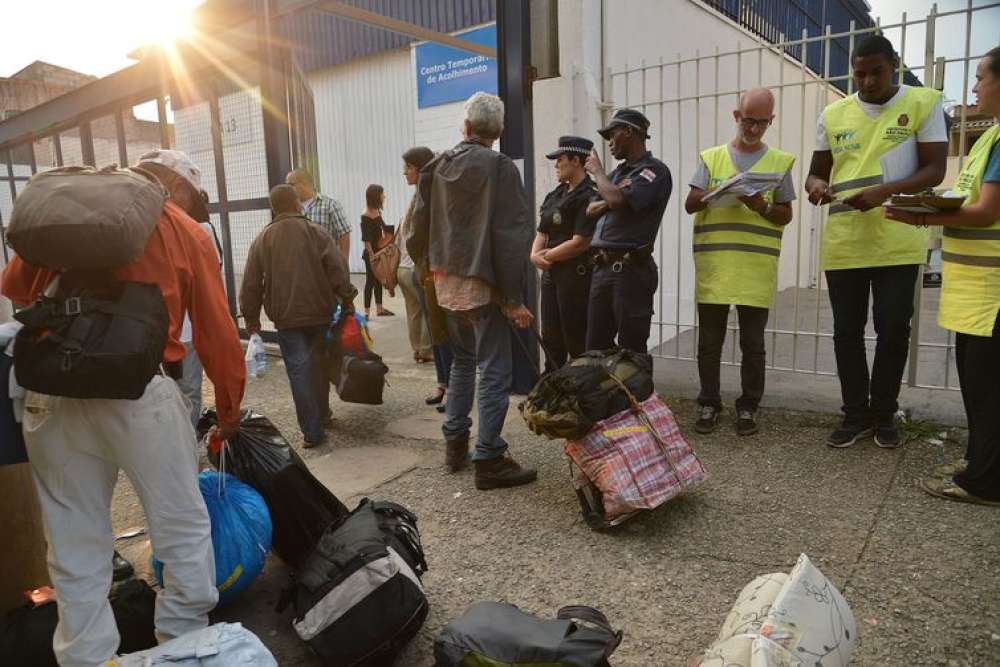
(502, 472)
(456, 453)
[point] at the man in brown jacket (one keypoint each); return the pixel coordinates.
(296, 271)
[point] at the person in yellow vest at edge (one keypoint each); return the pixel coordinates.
(970, 302)
(736, 251)
(883, 140)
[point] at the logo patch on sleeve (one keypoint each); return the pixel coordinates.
(648, 174)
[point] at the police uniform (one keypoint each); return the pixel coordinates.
(970, 304)
(865, 253)
(625, 275)
(566, 286)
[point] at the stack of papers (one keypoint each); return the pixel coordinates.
(745, 184)
(926, 203)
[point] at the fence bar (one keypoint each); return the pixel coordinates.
(57, 145)
(220, 181)
(87, 144)
(680, 213)
(32, 160)
(902, 52)
(161, 114)
(819, 232)
(120, 136)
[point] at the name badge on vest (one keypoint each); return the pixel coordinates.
(556, 218)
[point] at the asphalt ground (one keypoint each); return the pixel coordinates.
(922, 575)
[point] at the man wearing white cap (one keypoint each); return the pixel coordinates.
(182, 179)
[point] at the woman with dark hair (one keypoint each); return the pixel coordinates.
(970, 301)
(560, 252)
(372, 229)
(409, 275)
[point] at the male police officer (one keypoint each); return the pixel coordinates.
(883, 140)
(631, 207)
(736, 249)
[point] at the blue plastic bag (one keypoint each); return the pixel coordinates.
(241, 532)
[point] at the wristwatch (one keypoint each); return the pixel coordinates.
(767, 209)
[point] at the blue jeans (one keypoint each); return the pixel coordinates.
(442, 363)
(301, 349)
(479, 337)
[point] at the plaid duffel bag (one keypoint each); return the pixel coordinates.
(636, 460)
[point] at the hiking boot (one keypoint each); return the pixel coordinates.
(746, 422)
(456, 453)
(848, 434)
(502, 472)
(309, 444)
(708, 419)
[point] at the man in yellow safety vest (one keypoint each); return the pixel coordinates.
(883, 140)
(736, 249)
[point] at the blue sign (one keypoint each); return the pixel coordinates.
(446, 74)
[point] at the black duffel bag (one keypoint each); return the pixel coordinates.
(27, 632)
(301, 506)
(361, 379)
(358, 598)
(95, 338)
(495, 634)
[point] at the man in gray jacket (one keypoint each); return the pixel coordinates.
(472, 229)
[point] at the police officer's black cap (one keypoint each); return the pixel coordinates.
(573, 146)
(626, 118)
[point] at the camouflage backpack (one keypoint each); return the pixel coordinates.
(567, 402)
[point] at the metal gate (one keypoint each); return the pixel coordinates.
(244, 114)
(690, 98)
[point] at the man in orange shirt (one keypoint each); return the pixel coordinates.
(77, 446)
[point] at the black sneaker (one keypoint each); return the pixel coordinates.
(848, 434)
(746, 422)
(708, 419)
(887, 436)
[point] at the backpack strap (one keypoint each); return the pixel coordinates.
(595, 618)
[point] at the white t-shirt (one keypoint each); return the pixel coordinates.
(933, 129)
(187, 335)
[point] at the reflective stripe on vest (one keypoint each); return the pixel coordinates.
(970, 285)
(855, 239)
(736, 250)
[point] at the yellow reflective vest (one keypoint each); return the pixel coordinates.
(970, 280)
(736, 250)
(854, 239)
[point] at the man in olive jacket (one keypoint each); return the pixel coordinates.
(472, 229)
(296, 271)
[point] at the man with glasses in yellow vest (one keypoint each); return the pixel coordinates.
(736, 249)
(885, 139)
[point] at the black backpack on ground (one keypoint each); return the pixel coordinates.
(358, 598)
(495, 634)
(93, 337)
(361, 379)
(26, 636)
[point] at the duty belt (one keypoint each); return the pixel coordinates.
(617, 258)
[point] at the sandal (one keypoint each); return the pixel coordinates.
(947, 489)
(386, 313)
(436, 398)
(950, 469)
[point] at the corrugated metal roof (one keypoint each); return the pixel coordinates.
(323, 40)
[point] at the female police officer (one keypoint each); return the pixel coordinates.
(560, 251)
(970, 302)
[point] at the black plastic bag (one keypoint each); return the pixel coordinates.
(301, 506)
(26, 637)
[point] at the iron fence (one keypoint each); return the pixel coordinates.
(686, 96)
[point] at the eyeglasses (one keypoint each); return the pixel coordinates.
(751, 123)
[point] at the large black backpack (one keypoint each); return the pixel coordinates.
(567, 402)
(358, 598)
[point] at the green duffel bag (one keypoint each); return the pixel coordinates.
(495, 634)
(567, 402)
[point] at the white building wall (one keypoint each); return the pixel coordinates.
(364, 122)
